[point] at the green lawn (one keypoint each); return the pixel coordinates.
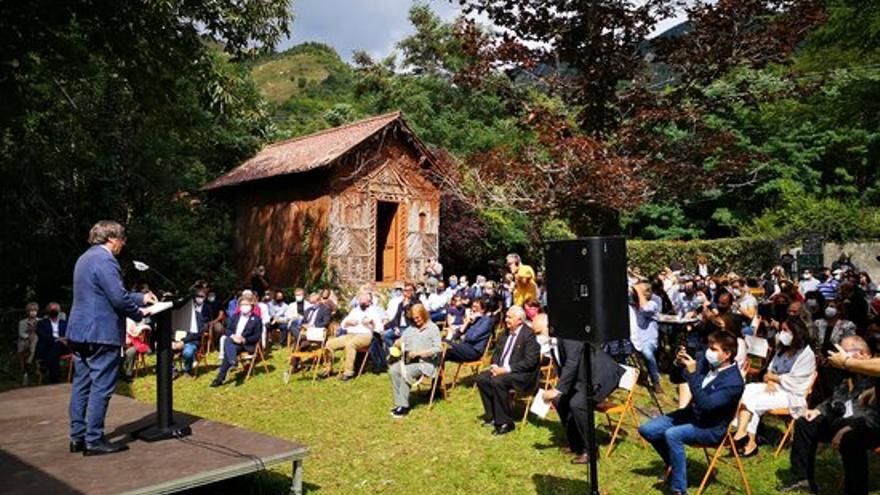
(356, 447)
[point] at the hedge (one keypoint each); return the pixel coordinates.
(743, 255)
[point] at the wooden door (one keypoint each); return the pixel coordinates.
(389, 251)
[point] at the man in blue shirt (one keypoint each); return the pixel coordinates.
(95, 332)
(716, 385)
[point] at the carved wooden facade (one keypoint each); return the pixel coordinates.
(300, 224)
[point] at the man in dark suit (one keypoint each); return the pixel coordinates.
(317, 315)
(95, 332)
(514, 366)
(569, 394)
(52, 341)
(472, 342)
(245, 329)
(716, 385)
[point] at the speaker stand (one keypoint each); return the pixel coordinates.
(591, 424)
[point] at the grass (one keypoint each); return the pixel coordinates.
(277, 79)
(357, 448)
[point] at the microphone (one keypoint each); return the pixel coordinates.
(143, 267)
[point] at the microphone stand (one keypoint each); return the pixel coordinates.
(591, 426)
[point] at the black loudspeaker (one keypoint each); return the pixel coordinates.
(587, 294)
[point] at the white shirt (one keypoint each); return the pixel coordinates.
(292, 311)
(508, 349)
(54, 327)
(437, 301)
(277, 310)
(808, 285)
(242, 322)
(354, 322)
(713, 374)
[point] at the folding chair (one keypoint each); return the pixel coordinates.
(311, 337)
(548, 372)
(526, 398)
(437, 380)
(249, 360)
(69, 358)
(727, 442)
(628, 382)
(475, 366)
(786, 412)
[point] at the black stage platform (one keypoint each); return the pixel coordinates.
(34, 459)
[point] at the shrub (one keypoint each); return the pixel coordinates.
(743, 255)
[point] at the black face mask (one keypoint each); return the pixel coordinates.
(364, 307)
(53, 313)
(279, 301)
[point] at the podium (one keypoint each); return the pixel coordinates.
(165, 427)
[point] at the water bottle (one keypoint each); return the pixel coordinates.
(286, 377)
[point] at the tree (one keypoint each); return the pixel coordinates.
(122, 110)
(589, 47)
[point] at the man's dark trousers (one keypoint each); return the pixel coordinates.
(854, 448)
(94, 379)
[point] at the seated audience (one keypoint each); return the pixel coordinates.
(469, 343)
(27, 333)
(514, 367)
(847, 420)
(292, 318)
(317, 315)
(455, 314)
(716, 386)
(532, 308)
(419, 348)
(189, 344)
(643, 328)
(359, 325)
(243, 332)
(136, 343)
(51, 339)
(215, 315)
(785, 384)
(437, 302)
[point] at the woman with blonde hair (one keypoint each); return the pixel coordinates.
(419, 351)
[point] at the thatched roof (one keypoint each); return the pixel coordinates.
(314, 151)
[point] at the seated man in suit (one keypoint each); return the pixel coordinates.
(569, 394)
(515, 365)
(716, 386)
(469, 344)
(244, 331)
(51, 339)
(189, 344)
(316, 315)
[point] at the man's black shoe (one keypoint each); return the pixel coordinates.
(102, 447)
(798, 486)
(503, 429)
(216, 383)
(77, 446)
(488, 422)
(175, 375)
(400, 412)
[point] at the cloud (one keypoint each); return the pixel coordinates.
(349, 25)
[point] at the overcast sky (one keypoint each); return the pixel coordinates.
(371, 25)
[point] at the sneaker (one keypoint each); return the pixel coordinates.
(798, 486)
(400, 412)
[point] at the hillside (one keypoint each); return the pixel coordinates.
(282, 76)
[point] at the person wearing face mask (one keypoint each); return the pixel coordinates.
(809, 283)
(291, 319)
(189, 345)
(784, 387)
(214, 315)
(362, 322)
(52, 340)
(437, 302)
(243, 332)
(717, 385)
(847, 420)
(814, 303)
(27, 334)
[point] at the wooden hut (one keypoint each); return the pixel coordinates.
(361, 201)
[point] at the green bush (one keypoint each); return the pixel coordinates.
(743, 255)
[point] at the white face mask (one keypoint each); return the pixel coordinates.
(200, 300)
(246, 309)
(212, 298)
(830, 312)
(299, 298)
(713, 358)
(784, 338)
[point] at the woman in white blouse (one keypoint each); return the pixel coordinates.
(785, 384)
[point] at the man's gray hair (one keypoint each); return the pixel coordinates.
(858, 342)
(105, 230)
(518, 311)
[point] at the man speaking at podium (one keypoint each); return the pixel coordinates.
(95, 332)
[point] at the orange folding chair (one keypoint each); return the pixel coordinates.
(623, 410)
(786, 412)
